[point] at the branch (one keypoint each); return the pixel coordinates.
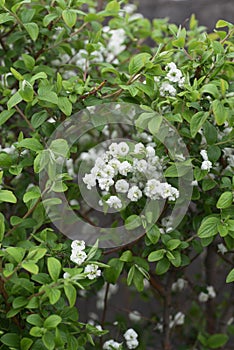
(24, 117)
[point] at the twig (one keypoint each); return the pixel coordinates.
(104, 309)
(93, 91)
(166, 315)
(25, 118)
(29, 212)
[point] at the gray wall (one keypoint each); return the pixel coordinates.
(206, 11)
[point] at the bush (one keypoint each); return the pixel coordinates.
(94, 119)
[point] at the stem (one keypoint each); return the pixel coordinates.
(210, 263)
(29, 212)
(166, 316)
(24, 117)
(104, 310)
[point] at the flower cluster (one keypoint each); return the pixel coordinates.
(125, 175)
(174, 79)
(78, 256)
(131, 339)
(206, 164)
(209, 294)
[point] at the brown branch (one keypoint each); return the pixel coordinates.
(93, 91)
(24, 117)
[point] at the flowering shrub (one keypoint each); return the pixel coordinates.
(116, 179)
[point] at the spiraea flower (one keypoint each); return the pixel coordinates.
(92, 271)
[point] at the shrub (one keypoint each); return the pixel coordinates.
(93, 119)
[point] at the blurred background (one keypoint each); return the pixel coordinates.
(207, 11)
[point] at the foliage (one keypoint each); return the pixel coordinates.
(58, 58)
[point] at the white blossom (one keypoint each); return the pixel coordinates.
(203, 297)
(123, 148)
(111, 345)
(132, 344)
(179, 285)
(139, 148)
(78, 245)
(179, 319)
(92, 271)
(206, 165)
(89, 180)
(134, 193)
(105, 183)
(221, 248)
(150, 151)
(211, 292)
(167, 89)
(125, 168)
(114, 202)
(130, 334)
(134, 316)
(141, 165)
(122, 186)
(204, 155)
(78, 256)
(113, 149)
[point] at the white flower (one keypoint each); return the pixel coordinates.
(203, 297)
(174, 75)
(123, 149)
(111, 345)
(167, 89)
(132, 344)
(78, 256)
(105, 183)
(179, 285)
(114, 202)
(211, 292)
(204, 155)
(171, 66)
(66, 275)
(130, 334)
(115, 163)
(139, 148)
(141, 165)
(108, 171)
(206, 165)
(129, 8)
(134, 194)
(78, 245)
(89, 180)
(181, 82)
(73, 202)
(125, 168)
(179, 319)
(221, 248)
(113, 149)
(134, 316)
(152, 189)
(92, 271)
(100, 163)
(122, 186)
(150, 151)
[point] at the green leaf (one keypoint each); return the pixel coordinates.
(16, 74)
(5, 17)
(210, 89)
(52, 321)
(11, 339)
(53, 295)
(38, 119)
(7, 196)
(154, 124)
(49, 18)
(197, 122)
(31, 143)
(54, 268)
(178, 169)
(25, 343)
(208, 227)
(219, 112)
(2, 226)
(131, 273)
(69, 17)
(32, 29)
(138, 62)
(26, 91)
(19, 302)
(221, 23)
(29, 61)
(34, 193)
(173, 244)
(230, 277)
(35, 320)
(17, 253)
(217, 340)
(5, 115)
(112, 6)
(48, 340)
(156, 255)
(65, 105)
(225, 200)
(70, 292)
(40, 75)
(14, 100)
(132, 222)
(153, 234)
(59, 147)
(30, 267)
(47, 95)
(112, 274)
(162, 266)
(126, 256)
